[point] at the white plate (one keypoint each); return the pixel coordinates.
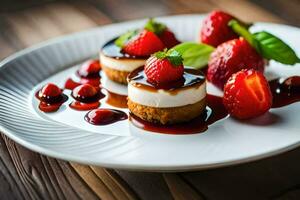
(67, 136)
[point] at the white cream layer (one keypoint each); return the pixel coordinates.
(163, 99)
(127, 65)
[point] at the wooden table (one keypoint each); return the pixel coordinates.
(28, 175)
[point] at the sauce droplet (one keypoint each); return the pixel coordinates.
(104, 116)
(89, 69)
(86, 93)
(51, 98)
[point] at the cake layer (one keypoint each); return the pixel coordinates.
(164, 99)
(121, 64)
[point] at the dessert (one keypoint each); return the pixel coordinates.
(164, 92)
(247, 94)
(215, 29)
(123, 55)
(231, 57)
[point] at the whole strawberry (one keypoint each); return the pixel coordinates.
(215, 29)
(247, 94)
(231, 57)
(143, 44)
(164, 67)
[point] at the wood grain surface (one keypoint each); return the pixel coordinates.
(28, 175)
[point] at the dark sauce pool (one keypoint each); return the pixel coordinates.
(285, 91)
(191, 78)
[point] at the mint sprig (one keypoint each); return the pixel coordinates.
(155, 27)
(194, 54)
(121, 41)
(172, 55)
(266, 44)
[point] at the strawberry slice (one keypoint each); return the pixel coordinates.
(247, 94)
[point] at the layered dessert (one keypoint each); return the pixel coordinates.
(165, 92)
(124, 54)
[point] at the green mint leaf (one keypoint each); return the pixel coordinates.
(271, 47)
(121, 41)
(155, 26)
(174, 57)
(161, 54)
(194, 54)
(266, 44)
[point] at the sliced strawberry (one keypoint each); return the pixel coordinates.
(143, 44)
(247, 94)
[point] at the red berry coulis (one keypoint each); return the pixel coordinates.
(104, 116)
(86, 97)
(51, 98)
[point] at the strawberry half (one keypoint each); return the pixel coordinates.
(161, 30)
(164, 67)
(143, 44)
(247, 94)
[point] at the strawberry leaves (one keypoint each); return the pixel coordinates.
(172, 55)
(155, 26)
(267, 45)
(123, 39)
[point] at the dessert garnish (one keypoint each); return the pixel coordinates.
(51, 98)
(164, 66)
(231, 57)
(153, 37)
(104, 116)
(247, 94)
(266, 44)
(215, 30)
